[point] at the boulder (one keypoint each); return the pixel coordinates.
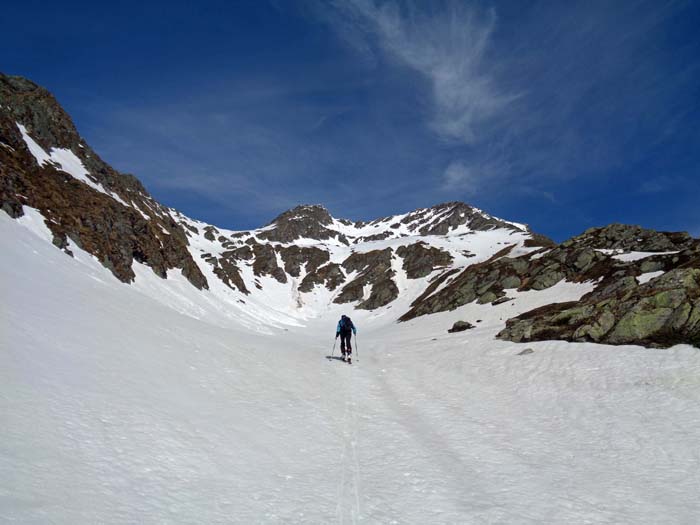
(460, 326)
(660, 313)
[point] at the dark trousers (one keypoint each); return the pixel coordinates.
(345, 346)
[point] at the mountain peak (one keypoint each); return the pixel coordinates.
(305, 212)
(305, 221)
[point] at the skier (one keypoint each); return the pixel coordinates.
(345, 330)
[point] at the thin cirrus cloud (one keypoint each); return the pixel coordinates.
(458, 176)
(380, 106)
(543, 97)
(447, 47)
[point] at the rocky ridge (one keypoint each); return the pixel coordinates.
(107, 213)
(646, 288)
(45, 164)
(434, 259)
(359, 261)
(649, 296)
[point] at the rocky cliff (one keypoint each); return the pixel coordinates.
(431, 260)
(45, 164)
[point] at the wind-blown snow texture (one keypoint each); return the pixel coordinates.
(157, 402)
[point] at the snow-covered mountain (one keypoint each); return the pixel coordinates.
(291, 269)
(305, 261)
(155, 368)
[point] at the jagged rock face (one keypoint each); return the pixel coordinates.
(577, 260)
(420, 260)
(374, 269)
(458, 213)
(226, 269)
(307, 258)
(315, 222)
(118, 222)
(302, 222)
(660, 313)
(266, 262)
(45, 164)
(330, 275)
(627, 237)
(441, 220)
(620, 310)
(483, 281)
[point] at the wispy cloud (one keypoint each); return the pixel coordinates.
(558, 94)
(447, 46)
(458, 176)
(380, 106)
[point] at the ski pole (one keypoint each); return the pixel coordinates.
(333, 351)
(357, 349)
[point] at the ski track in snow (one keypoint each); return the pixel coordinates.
(116, 408)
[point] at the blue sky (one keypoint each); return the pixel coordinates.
(563, 115)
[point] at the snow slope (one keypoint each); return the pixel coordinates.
(65, 160)
(123, 405)
(283, 304)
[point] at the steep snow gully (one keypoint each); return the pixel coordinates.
(119, 408)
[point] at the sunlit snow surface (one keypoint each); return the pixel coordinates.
(631, 256)
(66, 161)
(120, 408)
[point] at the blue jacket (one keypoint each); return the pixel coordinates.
(352, 325)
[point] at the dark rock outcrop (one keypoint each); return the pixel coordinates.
(295, 258)
(266, 262)
(330, 275)
(420, 260)
(579, 259)
(628, 237)
(483, 281)
(121, 224)
(663, 312)
(374, 269)
(226, 269)
(460, 326)
(450, 215)
(307, 221)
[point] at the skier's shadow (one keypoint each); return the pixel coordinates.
(334, 358)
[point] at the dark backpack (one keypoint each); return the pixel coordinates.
(345, 323)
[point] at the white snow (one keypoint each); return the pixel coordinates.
(631, 256)
(518, 225)
(646, 277)
(636, 256)
(66, 161)
(126, 404)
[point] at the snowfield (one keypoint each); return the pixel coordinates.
(156, 403)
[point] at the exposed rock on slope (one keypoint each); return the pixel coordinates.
(626, 307)
(309, 221)
(663, 312)
(420, 260)
(373, 268)
(437, 258)
(45, 164)
(587, 257)
(330, 275)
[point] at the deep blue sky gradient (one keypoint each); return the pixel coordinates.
(563, 115)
